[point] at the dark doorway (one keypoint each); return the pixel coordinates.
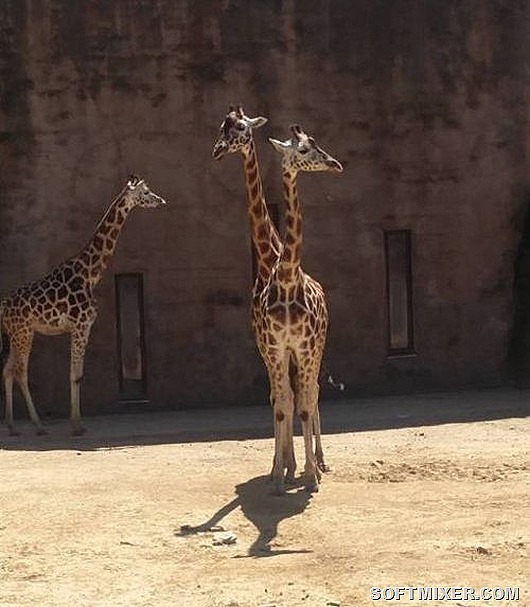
(399, 291)
(519, 347)
(131, 337)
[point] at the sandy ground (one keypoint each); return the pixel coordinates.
(424, 491)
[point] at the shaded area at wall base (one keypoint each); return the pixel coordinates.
(413, 411)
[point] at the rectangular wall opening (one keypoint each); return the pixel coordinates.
(131, 337)
(398, 257)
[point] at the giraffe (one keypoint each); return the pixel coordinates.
(294, 320)
(63, 302)
(236, 135)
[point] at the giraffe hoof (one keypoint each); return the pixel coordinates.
(323, 467)
(278, 489)
(290, 479)
(79, 431)
(311, 482)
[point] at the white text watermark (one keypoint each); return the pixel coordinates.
(444, 593)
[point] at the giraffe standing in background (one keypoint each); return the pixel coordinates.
(294, 320)
(63, 302)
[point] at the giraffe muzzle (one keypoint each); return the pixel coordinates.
(335, 166)
(219, 150)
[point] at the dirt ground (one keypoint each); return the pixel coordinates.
(423, 491)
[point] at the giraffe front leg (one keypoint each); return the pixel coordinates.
(289, 457)
(78, 345)
(311, 472)
(283, 417)
(308, 413)
(277, 465)
(283, 408)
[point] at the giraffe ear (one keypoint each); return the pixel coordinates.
(255, 123)
(280, 146)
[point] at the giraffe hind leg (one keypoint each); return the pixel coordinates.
(319, 452)
(17, 368)
(23, 383)
(8, 391)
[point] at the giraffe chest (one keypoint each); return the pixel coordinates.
(290, 317)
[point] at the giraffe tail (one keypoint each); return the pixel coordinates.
(327, 378)
(1, 334)
(1, 314)
(4, 344)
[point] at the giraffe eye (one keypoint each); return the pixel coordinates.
(303, 150)
(240, 127)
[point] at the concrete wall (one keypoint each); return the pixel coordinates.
(425, 103)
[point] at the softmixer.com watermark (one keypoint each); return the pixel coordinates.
(447, 593)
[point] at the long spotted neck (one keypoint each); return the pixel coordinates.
(288, 270)
(265, 238)
(100, 248)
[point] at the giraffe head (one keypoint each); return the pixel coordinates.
(301, 153)
(235, 133)
(140, 195)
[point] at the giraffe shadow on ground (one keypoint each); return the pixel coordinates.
(263, 509)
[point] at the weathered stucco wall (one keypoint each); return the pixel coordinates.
(424, 102)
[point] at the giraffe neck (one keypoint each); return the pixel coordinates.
(288, 270)
(98, 251)
(265, 238)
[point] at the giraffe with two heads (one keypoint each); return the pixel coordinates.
(236, 136)
(294, 321)
(63, 302)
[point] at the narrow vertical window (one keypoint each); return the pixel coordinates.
(399, 291)
(131, 339)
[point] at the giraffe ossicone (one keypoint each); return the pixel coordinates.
(63, 301)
